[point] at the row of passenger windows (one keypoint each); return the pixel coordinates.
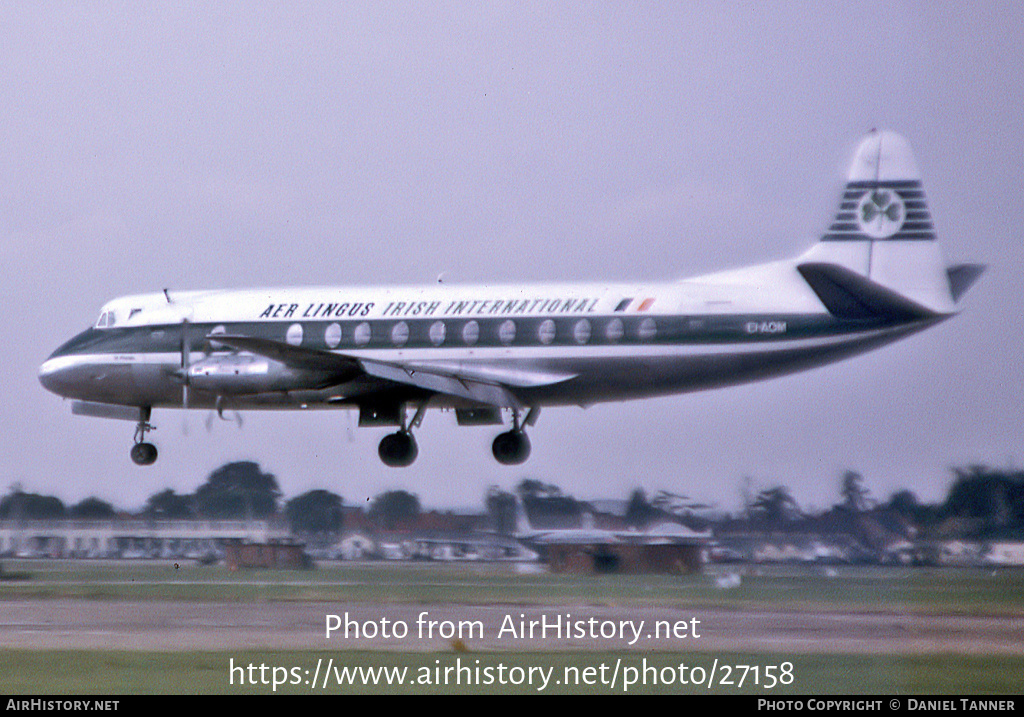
(469, 333)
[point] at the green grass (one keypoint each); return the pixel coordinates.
(74, 672)
(863, 589)
(787, 588)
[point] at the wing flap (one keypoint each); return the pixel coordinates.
(490, 394)
(513, 377)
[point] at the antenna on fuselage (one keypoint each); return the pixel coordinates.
(167, 296)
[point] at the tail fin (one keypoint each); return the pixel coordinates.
(883, 229)
(523, 526)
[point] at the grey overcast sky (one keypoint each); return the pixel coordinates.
(230, 144)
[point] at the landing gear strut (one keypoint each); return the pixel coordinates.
(513, 447)
(399, 450)
(143, 454)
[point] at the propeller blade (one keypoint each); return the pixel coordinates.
(186, 351)
(219, 408)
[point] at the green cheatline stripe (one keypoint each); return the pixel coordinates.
(894, 183)
(688, 329)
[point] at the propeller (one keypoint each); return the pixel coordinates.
(220, 414)
(186, 357)
(183, 374)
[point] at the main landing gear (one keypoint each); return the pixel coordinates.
(513, 447)
(398, 449)
(143, 454)
(510, 448)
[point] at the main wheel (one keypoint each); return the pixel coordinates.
(398, 450)
(144, 454)
(511, 448)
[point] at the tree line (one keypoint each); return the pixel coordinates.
(981, 502)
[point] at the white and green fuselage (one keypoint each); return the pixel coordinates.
(876, 276)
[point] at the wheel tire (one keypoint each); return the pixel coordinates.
(398, 450)
(144, 454)
(511, 448)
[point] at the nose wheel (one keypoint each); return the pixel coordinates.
(143, 453)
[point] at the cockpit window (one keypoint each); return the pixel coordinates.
(106, 320)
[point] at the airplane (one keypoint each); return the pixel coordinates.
(589, 534)
(876, 275)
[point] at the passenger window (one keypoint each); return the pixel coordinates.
(581, 332)
(294, 335)
(362, 334)
(546, 331)
(437, 332)
(614, 330)
(332, 337)
(507, 332)
(647, 329)
(400, 333)
(217, 330)
(471, 333)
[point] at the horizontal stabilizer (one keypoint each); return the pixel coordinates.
(962, 278)
(849, 295)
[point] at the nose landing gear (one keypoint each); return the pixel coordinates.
(143, 454)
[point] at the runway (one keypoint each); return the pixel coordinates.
(81, 624)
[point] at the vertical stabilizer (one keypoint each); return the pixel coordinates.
(523, 526)
(883, 228)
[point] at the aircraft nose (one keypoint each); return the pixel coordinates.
(54, 374)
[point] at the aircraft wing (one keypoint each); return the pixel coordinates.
(490, 394)
(297, 357)
(488, 387)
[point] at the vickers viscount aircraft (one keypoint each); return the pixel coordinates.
(491, 352)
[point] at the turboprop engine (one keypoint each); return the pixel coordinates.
(238, 374)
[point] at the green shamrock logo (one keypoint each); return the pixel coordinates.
(880, 213)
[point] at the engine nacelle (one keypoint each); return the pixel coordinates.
(237, 374)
